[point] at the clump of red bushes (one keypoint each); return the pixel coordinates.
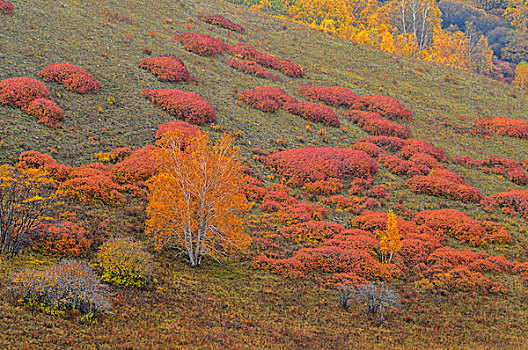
(250, 67)
(74, 78)
(202, 44)
(499, 166)
(187, 129)
(335, 96)
(63, 238)
(166, 68)
(388, 107)
(375, 124)
(314, 113)
(223, 22)
(6, 7)
(184, 105)
(504, 126)
(33, 97)
(266, 98)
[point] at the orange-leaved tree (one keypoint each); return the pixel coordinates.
(521, 76)
(27, 198)
(390, 238)
(197, 200)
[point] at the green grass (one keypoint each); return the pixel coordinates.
(230, 306)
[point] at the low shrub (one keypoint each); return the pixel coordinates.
(47, 112)
(74, 78)
(388, 143)
(37, 160)
(335, 96)
(250, 67)
(324, 187)
(504, 126)
(202, 44)
(187, 129)
(124, 262)
(387, 107)
(266, 98)
(314, 113)
(68, 285)
(19, 92)
(166, 68)
(413, 147)
(499, 166)
(309, 164)
(6, 7)
(140, 165)
(63, 238)
(184, 105)
(375, 124)
(223, 22)
(401, 167)
(515, 200)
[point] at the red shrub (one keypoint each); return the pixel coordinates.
(250, 67)
(314, 113)
(388, 107)
(19, 92)
(185, 105)
(335, 96)
(447, 258)
(504, 126)
(202, 44)
(139, 166)
(401, 167)
(223, 22)
(425, 161)
(497, 165)
(187, 129)
(166, 68)
(374, 221)
(6, 7)
(288, 210)
(354, 205)
(444, 183)
(47, 112)
(379, 191)
(93, 182)
(248, 52)
(367, 147)
(462, 278)
(266, 98)
(310, 164)
(74, 78)
(324, 187)
(373, 123)
(37, 160)
(516, 200)
(312, 231)
(413, 147)
(63, 238)
(392, 144)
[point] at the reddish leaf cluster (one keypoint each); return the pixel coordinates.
(166, 68)
(202, 44)
(504, 126)
(314, 113)
(514, 200)
(355, 205)
(375, 124)
(33, 97)
(139, 166)
(388, 107)
(6, 7)
(63, 238)
(248, 52)
(187, 129)
(444, 183)
(250, 67)
(496, 165)
(288, 210)
(311, 231)
(74, 78)
(184, 105)
(413, 147)
(310, 164)
(37, 160)
(266, 98)
(335, 96)
(324, 187)
(223, 22)
(367, 147)
(402, 167)
(392, 144)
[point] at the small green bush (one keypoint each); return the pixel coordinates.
(124, 262)
(68, 285)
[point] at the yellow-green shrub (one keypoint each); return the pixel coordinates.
(124, 262)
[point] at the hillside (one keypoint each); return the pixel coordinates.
(232, 304)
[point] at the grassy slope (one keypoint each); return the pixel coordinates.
(231, 306)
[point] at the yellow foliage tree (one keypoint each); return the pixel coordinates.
(390, 239)
(517, 15)
(26, 199)
(521, 76)
(197, 199)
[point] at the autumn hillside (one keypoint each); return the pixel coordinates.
(333, 137)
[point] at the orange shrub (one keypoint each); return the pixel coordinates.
(37, 160)
(250, 67)
(388, 107)
(202, 44)
(515, 200)
(375, 124)
(19, 92)
(185, 105)
(63, 238)
(223, 22)
(324, 187)
(504, 126)
(74, 78)
(266, 98)
(6, 7)
(187, 129)
(496, 165)
(166, 68)
(311, 231)
(47, 112)
(138, 166)
(314, 113)
(335, 96)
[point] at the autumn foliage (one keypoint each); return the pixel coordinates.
(387, 107)
(202, 44)
(500, 166)
(314, 113)
(335, 96)
(266, 98)
(166, 68)
(74, 78)
(187, 129)
(188, 106)
(197, 199)
(62, 238)
(47, 112)
(504, 126)
(6, 7)
(250, 67)
(375, 124)
(223, 22)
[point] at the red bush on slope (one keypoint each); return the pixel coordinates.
(166, 68)
(74, 78)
